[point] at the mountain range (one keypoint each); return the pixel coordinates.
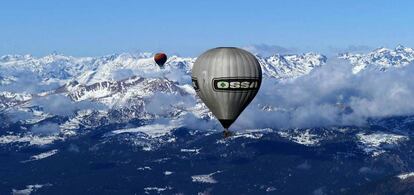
(125, 106)
(122, 87)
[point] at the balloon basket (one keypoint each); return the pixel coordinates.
(227, 133)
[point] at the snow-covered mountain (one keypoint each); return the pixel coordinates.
(380, 59)
(119, 80)
(8, 99)
(122, 112)
(76, 93)
(89, 70)
(291, 66)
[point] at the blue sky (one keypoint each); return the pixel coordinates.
(99, 27)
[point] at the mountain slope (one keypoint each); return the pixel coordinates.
(380, 59)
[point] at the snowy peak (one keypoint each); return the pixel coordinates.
(134, 87)
(291, 66)
(90, 70)
(380, 59)
(87, 70)
(9, 99)
(53, 66)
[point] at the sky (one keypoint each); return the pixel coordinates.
(189, 27)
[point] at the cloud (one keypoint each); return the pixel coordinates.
(63, 106)
(267, 50)
(121, 74)
(178, 76)
(15, 115)
(330, 96)
(46, 129)
(351, 48)
(164, 104)
(27, 82)
(193, 122)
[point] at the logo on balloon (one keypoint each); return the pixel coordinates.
(236, 84)
(223, 85)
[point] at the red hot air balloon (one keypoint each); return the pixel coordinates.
(160, 59)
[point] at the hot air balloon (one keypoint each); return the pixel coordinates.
(226, 79)
(160, 59)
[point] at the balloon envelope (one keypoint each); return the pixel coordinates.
(226, 79)
(160, 59)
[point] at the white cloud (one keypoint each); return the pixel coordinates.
(267, 50)
(63, 106)
(331, 95)
(351, 48)
(46, 129)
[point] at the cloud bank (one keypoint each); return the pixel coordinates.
(331, 95)
(63, 106)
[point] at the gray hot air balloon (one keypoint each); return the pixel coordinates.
(226, 79)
